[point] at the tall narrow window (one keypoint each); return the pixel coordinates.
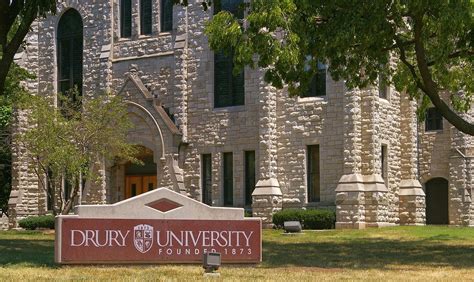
(206, 179)
(145, 17)
(384, 162)
(249, 176)
(70, 45)
(382, 86)
(228, 88)
(228, 179)
(434, 120)
(166, 17)
(317, 88)
(313, 173)
(125, 18)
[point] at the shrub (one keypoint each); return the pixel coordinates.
(34, 222)
(310, 219)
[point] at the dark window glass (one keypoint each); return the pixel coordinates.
(317, 87)
(70, 48)
(384, 162)
(228, 88)
(134, 190)
(150, 186)
(125, 18)
(166, 18)
(434, 120)
(382, 86)
(228, 179)
(249, 176)
(313, 174)
(145, 17)
(206, 179)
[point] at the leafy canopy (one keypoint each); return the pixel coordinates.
(424, 47)
(67, 142)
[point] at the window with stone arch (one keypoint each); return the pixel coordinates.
(69, 52)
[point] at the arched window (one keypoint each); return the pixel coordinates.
(70, 45)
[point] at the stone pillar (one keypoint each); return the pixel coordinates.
(267, 197)
(411, 196)
(461, 176)
(412, 203)
(350, 202)
(180, 90)
(350, 197)
(266, 200)
(361, 195)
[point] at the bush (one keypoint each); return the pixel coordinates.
(34, 222)
(310, 219)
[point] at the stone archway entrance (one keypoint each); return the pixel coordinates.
(437, 201)
(140, 178)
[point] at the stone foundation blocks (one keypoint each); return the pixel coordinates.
(267, 199)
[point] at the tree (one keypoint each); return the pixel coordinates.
(16, 17)
(13, 88)
(431, 43)
(65, 144)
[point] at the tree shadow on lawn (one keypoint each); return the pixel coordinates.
(27, 252)
(367, 253)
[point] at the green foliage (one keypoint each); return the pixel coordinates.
(309, 219)
(357, 38)
(35, 222)
(69, 142)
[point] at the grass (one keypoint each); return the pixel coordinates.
(396, 253)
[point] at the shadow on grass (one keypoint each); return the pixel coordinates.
(361, 253)
(367, 254)
(27, 252)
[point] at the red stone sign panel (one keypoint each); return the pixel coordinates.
(158, 241)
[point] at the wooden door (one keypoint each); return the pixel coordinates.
(133, 186)
(437, 208)
(149, 183)
(138, 184)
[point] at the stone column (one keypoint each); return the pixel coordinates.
(376, 192)
(461, 176)
(180, 89)
(350, 197)
(27, 197)
(267, 197)
(411, 195)
(361, 195)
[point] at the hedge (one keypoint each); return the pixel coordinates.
(34, 222)
(310, 219)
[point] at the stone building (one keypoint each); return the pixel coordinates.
(234, 140)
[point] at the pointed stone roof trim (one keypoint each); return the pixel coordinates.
(132, 77)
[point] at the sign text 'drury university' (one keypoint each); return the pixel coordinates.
(151, 239)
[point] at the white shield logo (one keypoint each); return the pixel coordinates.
(143, 237)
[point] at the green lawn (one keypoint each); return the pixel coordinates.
(396, 253)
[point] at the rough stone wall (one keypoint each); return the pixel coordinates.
(310, 121)
(26, 197)
(215, 130)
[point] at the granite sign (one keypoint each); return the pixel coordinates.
(160, 226)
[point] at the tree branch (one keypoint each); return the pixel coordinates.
(430, 87)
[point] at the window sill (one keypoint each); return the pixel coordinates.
(145, 36)
(320, 204)
(239, 108)
(434, 131)
(312, 99)
(165, 33)
(124, 39)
